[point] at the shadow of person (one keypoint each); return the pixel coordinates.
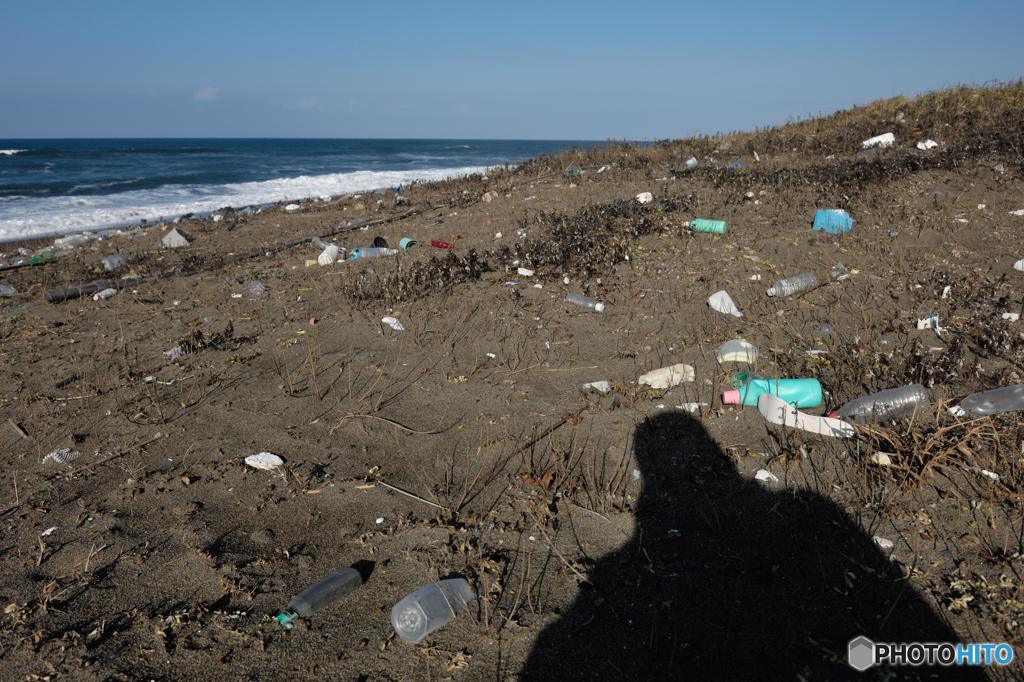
(725, 580)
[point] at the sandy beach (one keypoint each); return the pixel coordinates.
(602, 532)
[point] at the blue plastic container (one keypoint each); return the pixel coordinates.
(833, 221)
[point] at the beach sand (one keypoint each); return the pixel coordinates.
(170, 557)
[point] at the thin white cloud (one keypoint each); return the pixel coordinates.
(207, 94)
(308, 104)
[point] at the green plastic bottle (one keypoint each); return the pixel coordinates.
(799, 392)
(711, 226)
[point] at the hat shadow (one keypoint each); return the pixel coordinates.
(724, 579)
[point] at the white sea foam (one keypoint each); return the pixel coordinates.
(50, 216)
(11, 152)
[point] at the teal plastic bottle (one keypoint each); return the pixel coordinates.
(799, 392)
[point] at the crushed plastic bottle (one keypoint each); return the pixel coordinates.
(885, 405)
(429, 608)
(370, 252)
(996, 401)
(585, 302)
(793, 285)
(112, 263)
(331, 587)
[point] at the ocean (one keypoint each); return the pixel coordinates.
(52, 187)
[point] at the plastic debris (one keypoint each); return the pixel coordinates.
(393, 323)
(881, 459)
(176, 239)
(1019, 213)
(989, 474)
(692, 408)
(736, 350)
(708, 226)
(405, 242)
(930, 321)
(448, 245)
(667, 377)
(995, 401)
(766, 476)
(927, 144)
(883, 140)
(330, 255)
(885, 405)
(645, 197)
(292, 207)
(266, 461)
(370, 252)
(62, 456)
(793, 285)
(429, 608)
(780, 412)
(883, 543)
(599, 386)
(174, 353)
(524, 272)
(798, 392)
(1011, 317)
(104, 295)
(832, 221)
(722, 302)
(1019, 265)
(584, 302)
(7, 290)
(112, 263)
(330, 588)
(256, 287)
(48, 532)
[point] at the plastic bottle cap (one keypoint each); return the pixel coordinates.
(731, 397)
(599, 307)
(771, 291)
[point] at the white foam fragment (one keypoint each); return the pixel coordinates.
(49, 531)
(1019, 212)
(883, 140)
(292, 207)
(667, 377)
(883, 543)
(645, 197)
(599, 386)
(927, 144)
(267, 461)
(393, 323)
(722, 302)
(766, 476)
(525, 272)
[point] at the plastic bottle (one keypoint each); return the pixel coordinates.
(885, 405)
(585, 302)
(799, 392)
(370, 252)
(710, 226)
(998, 400)
(832, 221)
(332, 586)
(112, 263)
(429, 608)
(793, 285)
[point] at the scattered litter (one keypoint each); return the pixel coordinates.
(766, 476)
(48, 532)
(112, 263)
(645, 197)
(708, 226)
(884, 543)
(585, 302)
(370, 252)
(737, 350)
(930, 321)
(330, 255)
(881, 459)
(8, 290)
(990, 474)
(292, 207)
(104, 295)
(443, 245)
(236, 295)
(832, 221)
(599, 386)
(492, 356)
(256, 287)
(1019, 265)
(927, 144)
(995, 401)
(747, 391)
(174, 353)
(883, 140)
(946, 291)
(393, 323)
(175, 239)
(692, 408)
(667, 377)
(524, 272)
(793, 285)
(62, 456)
(1019, 212)
(885, 405)
(1011, 317)
(379, 520)
(780, 412)
(405, 242)
(636, 474)
(267, 461)
(330, 588)
(722, 302)
(429, 608)
(490, 196)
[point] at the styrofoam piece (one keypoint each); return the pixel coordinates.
(599, 386)
(737, 350)
(393, 323)
(722, 302)
(645, 197)
(667, 377)
(883, 140)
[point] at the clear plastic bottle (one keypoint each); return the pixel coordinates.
(370, 252)
(585, 302)
(332, 586)
(885, 405)
(998, 400)
(429, 608)
(793, 285)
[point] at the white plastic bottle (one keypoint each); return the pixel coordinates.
(793, 285)
(429, 608)
(585, 302)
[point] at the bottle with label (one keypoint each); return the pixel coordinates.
(798, 392)
(793, 285)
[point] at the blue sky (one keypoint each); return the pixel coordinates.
(553, 70)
